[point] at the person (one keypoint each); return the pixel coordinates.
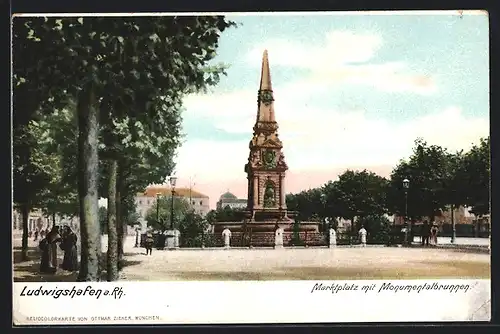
(45, 264)
(148, 243)
(54, 237)
(48, 247)
(362, 236)
(425, 233)
(68, 245)
(36, 235)
(434, 232)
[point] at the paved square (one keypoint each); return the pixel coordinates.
(286, 264)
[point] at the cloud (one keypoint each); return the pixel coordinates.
(321, 144)
(320, 141)
(343, 58)
(316, 138)
(339, 47)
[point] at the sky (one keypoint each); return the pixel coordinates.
(351, 92)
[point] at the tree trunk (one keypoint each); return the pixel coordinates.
(88, 163)
(119, 229)
(112, 260)
(119, 218)
(25, 212)
(53, 219)
(353, 233)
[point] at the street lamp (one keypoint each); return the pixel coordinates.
(158, 208)
(323, 212)
(453, 226)
(173, 181)
(406, 186)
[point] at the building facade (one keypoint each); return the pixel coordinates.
(466, 223)
(461, 215)
(146, 200)
(38, 222)
(230, 200)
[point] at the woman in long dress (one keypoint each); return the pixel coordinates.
(48, 246)
(45, 265)
(68, 245)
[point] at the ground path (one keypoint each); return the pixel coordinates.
(286, 264)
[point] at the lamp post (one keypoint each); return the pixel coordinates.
(323, 213)
(453, 226)
(158, 208)
(406, 186)
(172, 180)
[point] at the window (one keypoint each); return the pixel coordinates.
(194, 203)
(140, 202)
(148, 201)
(201, 202)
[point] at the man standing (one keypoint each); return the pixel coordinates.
(362, 236)
(426, 231)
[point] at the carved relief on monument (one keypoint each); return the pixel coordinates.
(265, 96)
(269, 158)
(255, 160)
(281, 160)
(266, 126)
(270, 195)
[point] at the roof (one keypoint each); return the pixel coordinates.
(152, 191)
(228, 195)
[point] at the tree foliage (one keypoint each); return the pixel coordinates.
(477, 177)
(127, 76)
(225, 214)
(159, 215)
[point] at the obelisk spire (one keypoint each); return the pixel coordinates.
(265, 99)
(265, 74)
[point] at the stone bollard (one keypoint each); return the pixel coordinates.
(226, 234)
(172, 239)
(332, 241)
(278, 238)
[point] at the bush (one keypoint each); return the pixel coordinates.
(378, 228)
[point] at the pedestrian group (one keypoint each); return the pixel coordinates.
(67, 242)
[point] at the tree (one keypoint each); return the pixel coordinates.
(477, 170)
(163, 206)
(192, 229)
(225, 214)
(356, 194)
(428, 170)
(308, 205)
(60, 196)
(94, 61)
(33, 171)
(378, 228)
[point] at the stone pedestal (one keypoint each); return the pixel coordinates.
(226, 235)
(278, 238)
(172, 240)
(332, 240)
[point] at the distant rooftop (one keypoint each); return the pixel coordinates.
(152, 191)
(228, 195)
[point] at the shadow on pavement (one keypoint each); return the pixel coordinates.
(424, 270)
(29, 271)
(33, 254)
